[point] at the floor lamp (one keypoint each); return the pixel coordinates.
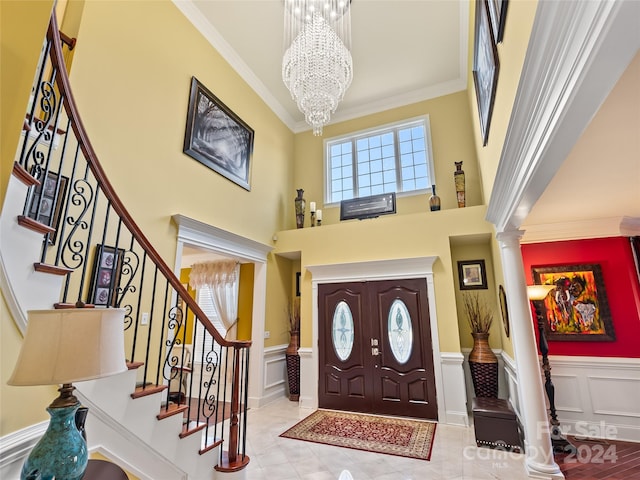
(61, 347)
(537, 294)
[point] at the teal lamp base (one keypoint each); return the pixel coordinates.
(61, 454)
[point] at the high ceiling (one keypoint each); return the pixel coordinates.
(403, 51)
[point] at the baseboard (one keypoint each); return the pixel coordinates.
(16, 446)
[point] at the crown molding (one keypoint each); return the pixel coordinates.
(579, 229)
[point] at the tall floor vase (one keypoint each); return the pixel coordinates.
(483, 365)
(293, 367)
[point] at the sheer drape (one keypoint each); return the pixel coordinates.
(222, 279)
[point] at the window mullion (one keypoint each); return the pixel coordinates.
(396, 147)
(354, 167)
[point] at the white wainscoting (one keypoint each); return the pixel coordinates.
(16, 446)
(598, 396)
(511, 381)
(275, 374)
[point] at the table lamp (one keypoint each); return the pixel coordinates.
(537, 294)
(60, 347)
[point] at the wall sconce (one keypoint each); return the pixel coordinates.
(537, 294)
(61, 347)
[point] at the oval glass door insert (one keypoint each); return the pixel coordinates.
(342, 330)
(400, 331)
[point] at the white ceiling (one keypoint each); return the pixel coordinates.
(404, 51)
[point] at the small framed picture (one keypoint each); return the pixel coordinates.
(105, 280)
(45, 202)
(472, 275)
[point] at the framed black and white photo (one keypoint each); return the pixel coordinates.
(45, 202)
(472, 275)
(485, 68)
(217, 137)
(498, 14)
(105, 278)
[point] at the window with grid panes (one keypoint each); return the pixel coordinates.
(394, 158)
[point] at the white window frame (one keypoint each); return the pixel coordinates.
(372, 131)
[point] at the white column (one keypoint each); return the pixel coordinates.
(539, 453)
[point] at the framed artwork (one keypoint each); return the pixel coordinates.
(502, 296)
(105, 278)
(217, 137)
(297, 284)
(48, 210)
(485, 68)
(577, 308)
(635, 249)
(498, 13)
(472, 275)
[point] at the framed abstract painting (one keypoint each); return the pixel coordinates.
(577, 309)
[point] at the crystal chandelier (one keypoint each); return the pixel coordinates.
(317, 67)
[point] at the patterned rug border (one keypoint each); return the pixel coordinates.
(319, 415)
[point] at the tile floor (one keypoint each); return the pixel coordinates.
(454, 455)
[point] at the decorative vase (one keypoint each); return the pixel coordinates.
(300, 203)
(458, 178)
(293, 367)
(483, 364)
(434, 200)
(62, 451)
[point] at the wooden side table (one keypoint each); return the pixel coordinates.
(103, 470)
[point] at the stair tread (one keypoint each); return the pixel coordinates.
(147, 390)
(172, 409)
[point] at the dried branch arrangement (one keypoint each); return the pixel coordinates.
(479, 315)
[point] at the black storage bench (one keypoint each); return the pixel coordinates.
(496, 424)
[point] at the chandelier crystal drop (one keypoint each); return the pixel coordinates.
(317, 67)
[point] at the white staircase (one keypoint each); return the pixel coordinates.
(124, 429)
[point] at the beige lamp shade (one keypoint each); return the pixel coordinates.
(71, 345)
(539, 292)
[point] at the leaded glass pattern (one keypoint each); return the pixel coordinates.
(342, 330)
(400, 331)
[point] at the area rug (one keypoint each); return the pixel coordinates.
(392, 436)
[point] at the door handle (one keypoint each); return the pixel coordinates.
(375, 351)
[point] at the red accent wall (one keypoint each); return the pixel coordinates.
(621, 285)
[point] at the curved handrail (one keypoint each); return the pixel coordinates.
(69, 190)
(62, 81)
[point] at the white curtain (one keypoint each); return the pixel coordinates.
(222, 279)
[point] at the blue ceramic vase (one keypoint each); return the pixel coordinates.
(61, 454)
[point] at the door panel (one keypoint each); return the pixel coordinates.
(389, 369)
(342, 383)
(407, 387)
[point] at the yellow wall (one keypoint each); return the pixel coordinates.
(476, 249)
(389, 237)
(511, 52)
(452, 141)
(22, 29)
(245, 301)
(132, 89)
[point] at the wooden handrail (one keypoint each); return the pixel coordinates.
(62, 80)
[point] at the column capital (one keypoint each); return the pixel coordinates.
(509, 237)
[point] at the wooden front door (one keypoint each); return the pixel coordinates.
(375, 352)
